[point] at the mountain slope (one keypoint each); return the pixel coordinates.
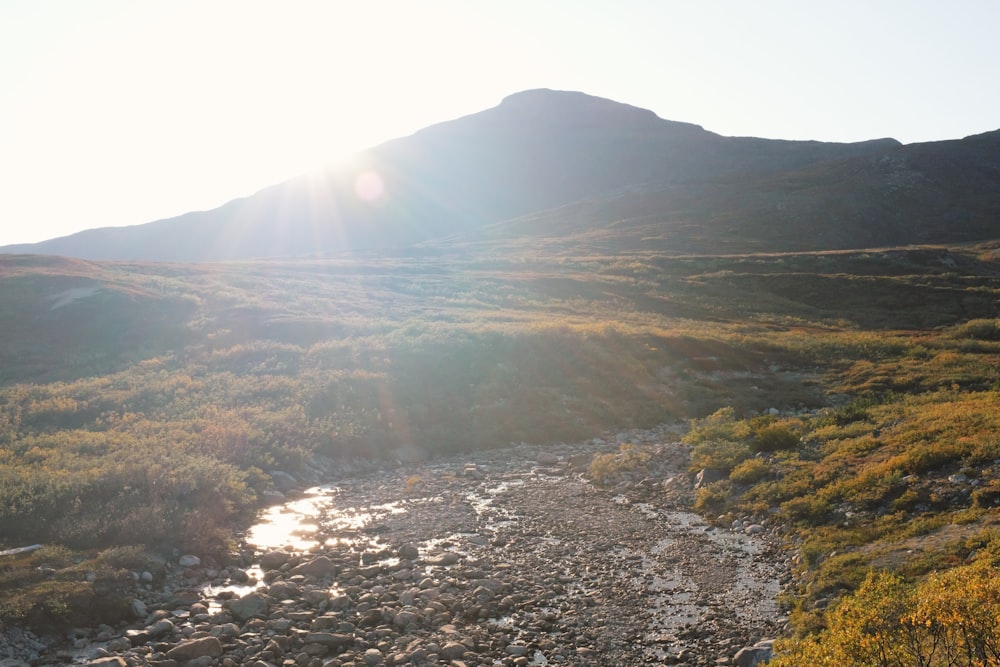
(940, 192)
(537, 150)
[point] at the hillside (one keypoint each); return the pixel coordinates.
(536, 151)
(819, 321)
(161, 404)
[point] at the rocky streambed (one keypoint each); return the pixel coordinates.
(509, 557)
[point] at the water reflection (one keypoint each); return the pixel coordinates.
(315, 520)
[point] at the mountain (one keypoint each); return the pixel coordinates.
(547, 163)
(931, 193)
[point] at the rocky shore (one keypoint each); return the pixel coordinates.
(509, 557)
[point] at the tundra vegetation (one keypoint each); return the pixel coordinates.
(151, 411)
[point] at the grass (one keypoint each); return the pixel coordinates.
(153, 410)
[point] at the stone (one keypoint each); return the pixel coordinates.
(111, 661)
(272, 560)
(284, 590)
(453, 650)
(750, 656)
(405, 619)
(187, 560)
(408, 552)
(443, 559)
(321, 568)
(161, 628)
(328, 639)
(202, 661)
(196, 648)
(248, 606)
(139, 609)
(226, 631)
(546, 459)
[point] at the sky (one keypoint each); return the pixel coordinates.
(121, 112)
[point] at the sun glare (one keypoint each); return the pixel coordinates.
(369, 186)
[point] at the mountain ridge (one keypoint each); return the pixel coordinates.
(543, 150)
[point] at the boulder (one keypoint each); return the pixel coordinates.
(321, 568)
(248, 606)
(196, 648)
(453, 650)
(272, 560)
(446, 558)
(187, 560)
(409, 552)
(750, 656)
(546, 459)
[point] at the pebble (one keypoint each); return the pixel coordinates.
(494, 561)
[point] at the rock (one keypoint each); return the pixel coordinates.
(203, 661)
(408, 552)
(405, 619)
(139, 609)
(754, 529)
(517, 650)
(272, 560)
(546, 459)
(111, 661)
(161, 628)
(282, 480)
(226, 631)
(196, 648)
(119, 645)
(328, 639)
(453, 650)
(372, 657)
(248, 606)
(284, 590)
(707, 476)
(761, 652)
(136, 637)
(272, 497)
(188, 560)
(321, 568)
(443, 559)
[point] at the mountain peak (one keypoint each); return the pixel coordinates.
(566, 104)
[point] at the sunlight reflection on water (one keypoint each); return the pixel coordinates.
(314, 520)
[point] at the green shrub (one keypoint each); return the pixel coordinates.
(715, 498)
(773, 438)
(951, 619)
(722, 455)
(750, 471)
(981, 329)
(720, 426)
(606, 468)
(810, 509)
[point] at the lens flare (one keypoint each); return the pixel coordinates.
(369, 186)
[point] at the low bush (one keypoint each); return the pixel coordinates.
(609, 467)
(951, 619)
(774, 438)
(749, 472)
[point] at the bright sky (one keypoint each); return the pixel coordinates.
(118, 112)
